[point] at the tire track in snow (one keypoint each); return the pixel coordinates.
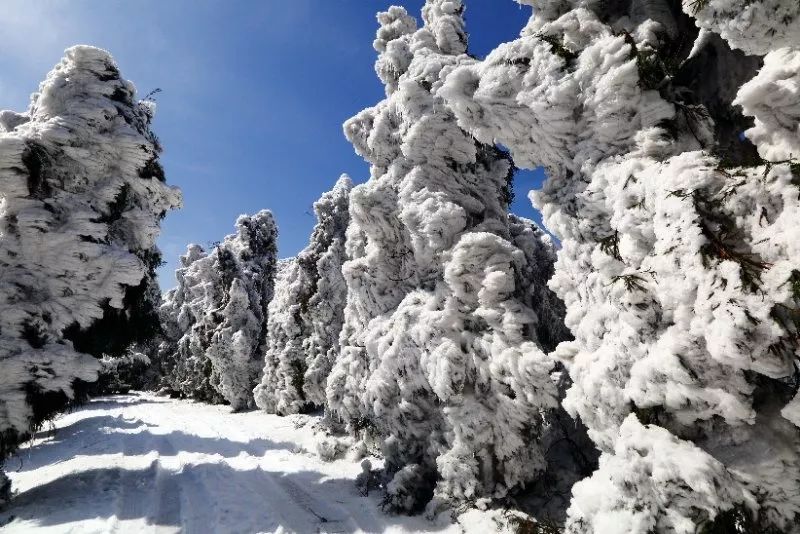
(330, 519)
(197, 509)
(169, 508)
(265, 499)
(172, 466)
(150, 496)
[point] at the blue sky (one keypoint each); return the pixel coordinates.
(254, 94)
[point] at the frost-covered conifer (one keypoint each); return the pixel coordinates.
(120, 374)
(233, 345)
(306, 314)
(185, 320)
(680, 265)
(81, 198)
(281, 388)
(441, 356)
(181, 311)
(246, 263)
(217, 314)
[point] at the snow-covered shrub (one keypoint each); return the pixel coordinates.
(367, 479)
(447, 314)
(82, 195)
(306, 314)
(409, 488)
(679, 263)
(331, 448)
(121, 374)
(217, 315)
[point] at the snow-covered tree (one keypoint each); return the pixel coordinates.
(246, 263)
(281, 388)
(185, 321)
(441, 350)
(217, 314)
(82, 195)
(307, 312)
(674, 189)
(232, 348)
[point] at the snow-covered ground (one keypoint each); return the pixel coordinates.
(141, 463)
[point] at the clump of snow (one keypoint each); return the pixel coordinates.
(648, 468)
(773, 99)
(792, 411)
(753, 27)
(81, 199)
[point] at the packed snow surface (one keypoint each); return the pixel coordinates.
(141, 463)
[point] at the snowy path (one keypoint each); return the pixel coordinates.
(139, 463)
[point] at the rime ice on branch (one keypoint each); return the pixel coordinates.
(306, 315)
(217, 315)
(82, 195)
(680, 264)
(441, 351)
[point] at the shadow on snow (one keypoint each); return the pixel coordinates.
(211, 497)
(203, 494)
(107, 434)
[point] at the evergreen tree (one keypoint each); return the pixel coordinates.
(185, 318)
(306, 315)
(83, 195)
(231, 351)
(679, 263)
(281, 388)
(440, 356)
(325, 308)
(217, 316)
